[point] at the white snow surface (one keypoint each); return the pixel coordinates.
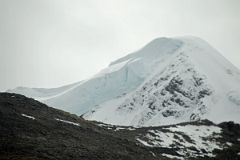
(27, 116)
(202, 138)
(194, 82)
(172, 157)
(68, 122)
(168, 81)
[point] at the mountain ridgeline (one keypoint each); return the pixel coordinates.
(168, 81)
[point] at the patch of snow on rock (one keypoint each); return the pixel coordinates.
(229, 144)
(68, 122)
(192, 140)
(172, 157)
(144, 142)
(27, 116)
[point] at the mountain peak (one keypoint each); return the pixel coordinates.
(169, 80)
(154, 49)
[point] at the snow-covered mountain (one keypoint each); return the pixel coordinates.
(168, 81)
(128, 73)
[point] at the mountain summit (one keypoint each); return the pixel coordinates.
(168, 81)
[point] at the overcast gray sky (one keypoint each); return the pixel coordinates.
(49, 43)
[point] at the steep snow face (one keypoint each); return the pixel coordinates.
(175, 94)
(170, 80)
(195, 82)
(120, 78)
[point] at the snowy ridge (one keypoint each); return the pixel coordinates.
(168, 81)
(195, 83)
(43, 93)
(128, 72)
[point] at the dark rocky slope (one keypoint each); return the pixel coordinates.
(30, 130)
(23, 138)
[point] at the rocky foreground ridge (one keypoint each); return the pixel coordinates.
(30, 130)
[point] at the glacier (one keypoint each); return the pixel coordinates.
(168, 81)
